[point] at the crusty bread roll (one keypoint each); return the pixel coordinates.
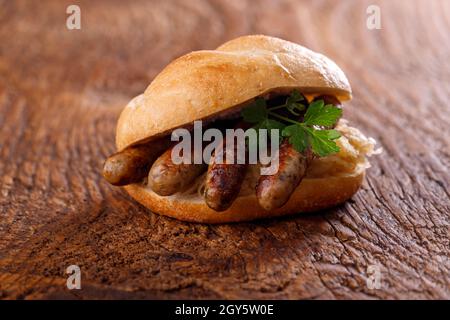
(311, 195)
(204, 85)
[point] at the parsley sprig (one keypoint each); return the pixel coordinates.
(303, 134)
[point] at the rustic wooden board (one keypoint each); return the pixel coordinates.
(61, 92)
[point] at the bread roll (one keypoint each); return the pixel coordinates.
(210, 84)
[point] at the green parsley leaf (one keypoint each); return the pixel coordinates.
(291, 108)
(256, 111)
(319, 114)
(333, 134)
(292, 103)
(322, 141)
(298, 136)
(295, 96)
(295, 106)
(270, 124)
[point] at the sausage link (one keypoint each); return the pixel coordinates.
(223, 181)
(273, 191)
(133, 163)
(166, 178)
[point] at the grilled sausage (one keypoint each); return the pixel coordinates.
(223, 181)
(166, 178)
(273, 191)
(133, 163)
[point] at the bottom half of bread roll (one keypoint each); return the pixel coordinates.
(329, 181)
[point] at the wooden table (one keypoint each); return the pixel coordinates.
(60, 95)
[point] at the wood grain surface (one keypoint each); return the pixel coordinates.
(60, 95)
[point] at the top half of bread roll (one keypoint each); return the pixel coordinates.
(204, 84)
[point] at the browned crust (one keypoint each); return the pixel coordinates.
(310, 195)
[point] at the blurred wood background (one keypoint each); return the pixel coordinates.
(60, 95)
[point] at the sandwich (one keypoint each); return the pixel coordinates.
(250, 84)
